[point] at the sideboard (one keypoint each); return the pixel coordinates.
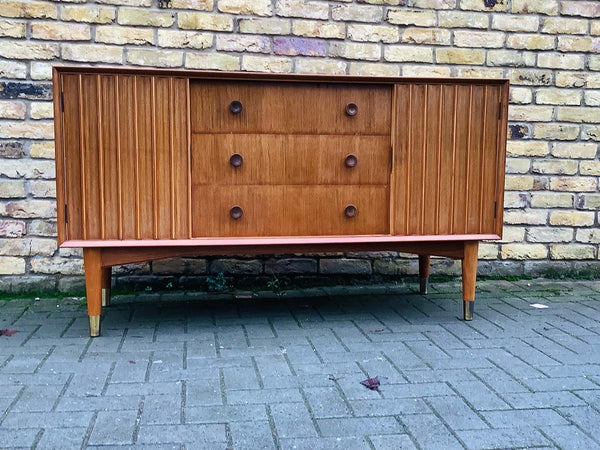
(157, 163)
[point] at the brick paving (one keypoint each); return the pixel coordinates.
(189, 371)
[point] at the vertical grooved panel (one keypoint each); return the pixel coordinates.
(475, 155)
(181, 157)
(163, 151)
(128, 172)
(430, 183)
(459, 207)
(145, 156)
(416, 162)
(100, 161)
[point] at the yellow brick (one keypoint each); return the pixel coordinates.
(526, 217)
(574, 184)
(530, 113)
(28, 50)
(249, 7)
(53, 31)
(587, 235)
(513, 234)
(578, 44)
(592, 98)
(92, 53)
(558, 97)
(549, 234)
(204, 21)
(301, 8)
(408, 53)
(253, 63)
(43, 150)
(26, 130)
(578, 79)
(10, 265)
(478, 5)
(574, 150)
(479, 72)
(433, 4)
(11, 109)
(184, 39)
(581, 8)
(571, 251)
(416, 18)
(556, 166)
(578, 114)
(425, 71)
(590, 133)
(212, 61)
(523, 251)
(517, 165)
(265, 26)
(11, 189)
(87, 14)
(461, 19)
(520, 95)
(12, 29)
(510, 58)
(357, 13)
(548, 7)
(198, 5)
(137, 16)
(554, 131)
(373, 33)
(589, 168)
(459, 56)
(374, 69)
(518, 182)
(320, 66)
(487, 251)
(478, 39)
(41, 110)
(562, 25)
(552, 200)
(244, 43)
(313, 28)
(527, 23)
(531, 77)
(595, 28)
(124, 35)
(355, 50)
(155, 58)
(530, 41)
(594, 63)
(426, 36)
(28, 9)
(560, 61)
(41, 70)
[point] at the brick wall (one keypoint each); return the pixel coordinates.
(549, 49)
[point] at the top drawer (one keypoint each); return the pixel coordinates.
(306, 108)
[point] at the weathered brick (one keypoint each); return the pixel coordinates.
(434, 36)
(29, 91)
(580, 8)
(518, 182)
(238, 266)
(433, 4)
(265, 26)
(577, 79)
(562, 25)
(92, 53)
(43, 150)
(530, 113)
(578, 44)
(572, 251)
(520, 95)
(28, 50)
(487, 251)
(425, 71)
(556, 167)
(590, 133)
(42, 189)
(555, 131)
(531, 77)
(484, 5)
(519, 131)
(204, 21)
(374, 69)
(249, 7)
(180, 266)
(10, 265)
(459, 56)
(27, 247)
(524, 23)
(549, 234)
(124, 35)
(184, 39)
(27, 209)
(11, 149)
(513, 234)
(572, 218)
(12, 189)
(552, 200)
(578, 114)
(408, 53)
(373, 33)
(12, 228)
(595, 28)
(517, 166)
(594, 63)
(54, 31)
(313, 28)
(41, 110)
(530, 42)
(13, 70)
(29, 9)
(588, 202)
(589, 168)
(154, 58)
(357, 13)
(461, 19)
(548, 7)
(242, 43)
(515, 200)
(266, 64)
(574, 184)
(12, 110)
(510, 58)
(355, 50)
(41, 70)
(592, 98)
(9, 28)
(588, 236)
(345, 266)
(526, 217)
(521, 251)
(478, 39)
(63, 266)
(415, 18)
(88, 14)
(574, 150)
(561, 61)
(26, 130)
(291, 265)
(42, 228)
(137, 16)
(302, 8)
(479, 72)
(198, 5)
(554, 96)
(320, 65)
(212, 61)
(294, 46)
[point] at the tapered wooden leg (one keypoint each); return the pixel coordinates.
(469, 275)
(424, 261)
(106, 273)
(92, 260)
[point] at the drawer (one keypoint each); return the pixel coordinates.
(289, 108)
(290, 159)
(289, 210)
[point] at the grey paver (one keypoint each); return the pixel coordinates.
(503, 438)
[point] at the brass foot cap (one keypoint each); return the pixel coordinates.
(94, 326)
(468, 310)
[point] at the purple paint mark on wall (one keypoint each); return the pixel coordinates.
(299, 46)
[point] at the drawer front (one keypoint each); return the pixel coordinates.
(290, 108)
(293, 159)
(289, 210)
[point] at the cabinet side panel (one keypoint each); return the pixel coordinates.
(490, 166)
(72, 156)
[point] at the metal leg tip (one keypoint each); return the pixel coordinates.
(94, 326)
(106, 297)
(468, 310)
(423, 285)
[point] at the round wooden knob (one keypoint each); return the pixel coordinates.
(351, 109)
(236, 212)
(350, 211)
(236, 160)
(236, 107)
(351, 161)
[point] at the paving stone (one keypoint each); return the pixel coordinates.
(225, 413)
(456, 413)
(430, 432)
(359, 426)
(161, 409)
(326, 402)
(292, 420)
(62, 437)
(11, 437)
(569, 437)
(114, 427)
(46, 419)
(585, 418)
(330, 443)
(195, 436)
(252, 435)
(504, 438)
(523, 418)
(543, 400)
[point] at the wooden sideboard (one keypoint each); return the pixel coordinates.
(159, 163)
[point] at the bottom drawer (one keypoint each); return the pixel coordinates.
(244, 211)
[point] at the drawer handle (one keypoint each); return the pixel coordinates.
(236, 107)
(236, 160)
(351, 161)
(351, 109)
(350, 211)
(236, 212)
